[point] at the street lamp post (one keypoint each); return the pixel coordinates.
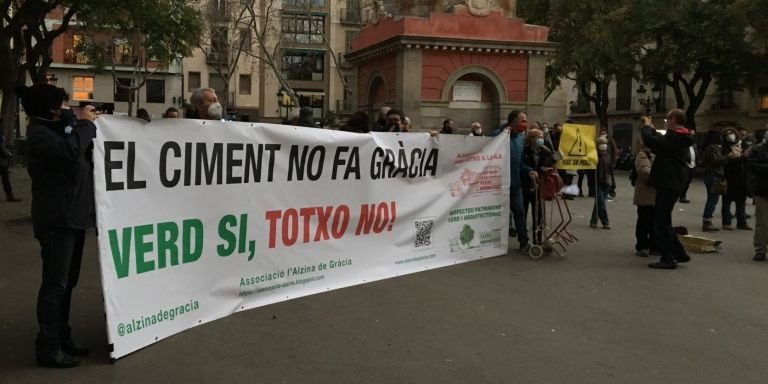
(648, 101)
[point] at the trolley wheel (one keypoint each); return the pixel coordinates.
(535, 252)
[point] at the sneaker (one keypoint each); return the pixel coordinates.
(745, 227)
(593, 225)
(662, 265)
(606, 226)
(759, 256)
(642, 253)
(727, 227)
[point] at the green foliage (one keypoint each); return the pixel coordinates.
(164, 29)
(466, 235)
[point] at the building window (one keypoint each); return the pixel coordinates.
(217, 83)
(245, 84)
(624, 93)
(122, 52)
(314, 101)
(350, 35)
(82, 87)
(245, 37)
(307, 65)
(120, 93)
(763, 99)
(303, 29)
(78, 42)
(155, 91)
(193, 81)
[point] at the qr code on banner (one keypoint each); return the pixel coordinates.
(423, 230)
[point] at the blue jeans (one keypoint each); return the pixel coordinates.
(712, 198)
(599, 209)
(518, 213)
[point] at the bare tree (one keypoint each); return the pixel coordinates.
(267, 30)
(226, 39)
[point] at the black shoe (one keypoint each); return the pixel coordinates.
(568, 197)
(759, 256)
(683, 259)
(73, 350)
(524, 247)
(684, 200)
(662, 265)
(512, 232)
(57, 360)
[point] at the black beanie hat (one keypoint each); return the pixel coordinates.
(39, 99)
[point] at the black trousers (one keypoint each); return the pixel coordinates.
(687, 184)
(536, 208)
(644, 232)
(590, 173)
(666, 238)
(62, 252)
(5, 176)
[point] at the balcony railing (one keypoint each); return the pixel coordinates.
(214, 57)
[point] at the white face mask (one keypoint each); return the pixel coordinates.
(602, 147)
(731, 138)
(215, 110)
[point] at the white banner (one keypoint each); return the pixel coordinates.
(201, 219)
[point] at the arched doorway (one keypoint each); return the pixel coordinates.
(377, 95)
(473, 94)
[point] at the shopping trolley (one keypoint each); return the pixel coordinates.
(547, 238)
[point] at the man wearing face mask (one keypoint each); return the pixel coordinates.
(517, 124)
(204, 105)
(667, 176)
(61, 168)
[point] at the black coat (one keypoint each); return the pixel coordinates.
(61, 168)
(545, 161)
(670, 168)
(757, 170)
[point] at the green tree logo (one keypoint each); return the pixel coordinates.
(466, 235)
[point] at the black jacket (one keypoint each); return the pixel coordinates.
(61, 168)
(757, 170)
(529, 159)
(670, 168)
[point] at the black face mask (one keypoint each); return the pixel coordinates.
(66, 118)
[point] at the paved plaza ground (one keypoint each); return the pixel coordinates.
(600, 316)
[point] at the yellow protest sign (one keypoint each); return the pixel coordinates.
(577, 146)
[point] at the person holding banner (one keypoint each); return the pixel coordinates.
(668, 176)
(517, 124)
(61, 169)
(204, 105)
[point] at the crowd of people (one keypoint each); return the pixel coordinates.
(61, 168)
